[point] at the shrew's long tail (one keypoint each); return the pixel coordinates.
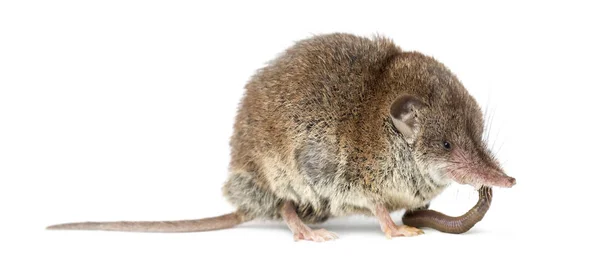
(195, 225)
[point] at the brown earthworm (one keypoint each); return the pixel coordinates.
(447, 224)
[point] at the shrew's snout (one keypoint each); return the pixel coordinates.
(477, 171)
(497, 178)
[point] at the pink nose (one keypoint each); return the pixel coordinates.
(509, 182)
(513, 181)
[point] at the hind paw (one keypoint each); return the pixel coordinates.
(319, 235)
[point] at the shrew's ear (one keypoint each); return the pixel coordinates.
(404, 115)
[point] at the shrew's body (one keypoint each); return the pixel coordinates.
(339, 125)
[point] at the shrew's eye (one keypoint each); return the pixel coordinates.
(447, 145)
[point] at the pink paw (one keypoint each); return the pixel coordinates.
(319, 235)
(402, 231)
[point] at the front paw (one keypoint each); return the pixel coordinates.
(402, 231)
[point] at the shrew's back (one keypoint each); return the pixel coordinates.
(311, 88)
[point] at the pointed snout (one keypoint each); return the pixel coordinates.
(477, 169)
(495, 178)
(477, 177)
(504, 181)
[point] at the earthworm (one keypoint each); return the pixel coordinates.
(455, 225)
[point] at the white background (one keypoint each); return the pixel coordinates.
(122, 110)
